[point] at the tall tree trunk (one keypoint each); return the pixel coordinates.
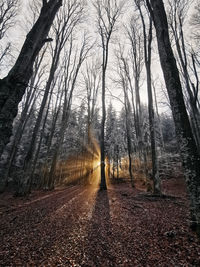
(49, 142)
(181, 49)
(128, 131)
(67, 106)
(30, 100)
(30, 182)
(188, 148)
(24, 183)
(44, 179)
(129, 146)
(13, 86)
(65, 119)
(102, 141)
(107, 15)
(16, 141)
(158, 118)
(147, 57)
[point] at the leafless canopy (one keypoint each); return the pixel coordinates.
(195, 20)
(8, 10)
(107, 15)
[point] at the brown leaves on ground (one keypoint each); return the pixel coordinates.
(81, 226)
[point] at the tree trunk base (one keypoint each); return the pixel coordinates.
(2, 186)
(103, 187)
(195, 227)
(21, 194)
(157, 193)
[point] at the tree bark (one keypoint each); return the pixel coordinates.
(108, 13)
(67, 106)
(13, 86)
(147, 57)
(188, 148)
(25, 115)
(177, 30)
(102, 142)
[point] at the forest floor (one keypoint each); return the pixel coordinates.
(82, 226)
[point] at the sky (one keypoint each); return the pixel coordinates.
(18, 33)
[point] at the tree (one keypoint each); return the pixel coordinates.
(65, 22)
(136, 54)
(111, 139)
(8, 12)
(132, 65)
(195, 20)
(72, 68)
(13, 86)
(177, 16)
(92, 83)
(29, 100)
(147, 35)
(187, 145)
(107, 15)
(124, 82)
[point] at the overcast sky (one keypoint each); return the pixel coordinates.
(18, 33)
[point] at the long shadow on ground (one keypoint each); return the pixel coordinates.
(97, 251)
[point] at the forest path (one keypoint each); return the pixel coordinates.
(82, 226)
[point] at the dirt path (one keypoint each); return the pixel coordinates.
(81, 226)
